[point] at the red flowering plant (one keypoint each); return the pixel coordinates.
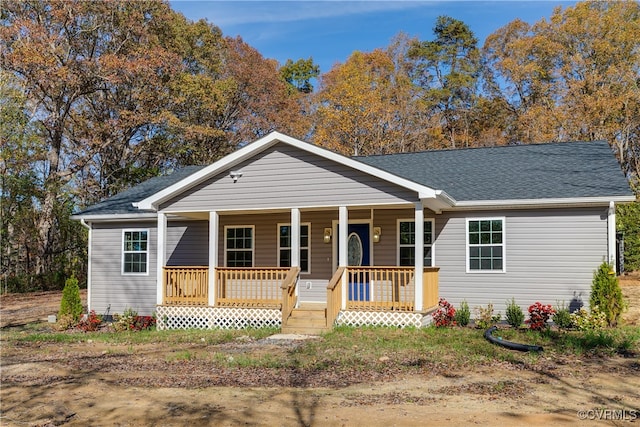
(91, 322)
(445, 314)
(539, 314)
(143, 322)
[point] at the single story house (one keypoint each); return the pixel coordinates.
(286, 233)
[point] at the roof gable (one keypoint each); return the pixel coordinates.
(152, 202)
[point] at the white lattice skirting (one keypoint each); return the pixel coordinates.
(381, 318)
(186, 317)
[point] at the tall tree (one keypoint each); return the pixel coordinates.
(519, 76)
(359, 105)
(18, 183)
(94, 71)
(261, 101)
(574, 77)
(598, 64)
(447, 69)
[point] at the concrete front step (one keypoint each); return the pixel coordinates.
(304, 330)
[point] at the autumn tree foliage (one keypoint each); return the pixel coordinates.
(361, 106)
(572, 77)
(98, 96)
(114, 92)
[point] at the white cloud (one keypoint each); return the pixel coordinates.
(227, 14)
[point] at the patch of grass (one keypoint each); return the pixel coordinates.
(180, 355)
(603, 341)
(365, 348)
(256, 361)
(211, 337)
(622, 340)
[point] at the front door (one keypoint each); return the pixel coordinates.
(358, 249)
(358, 255)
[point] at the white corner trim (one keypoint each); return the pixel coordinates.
(611, 235)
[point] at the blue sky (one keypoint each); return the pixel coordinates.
(329, 31)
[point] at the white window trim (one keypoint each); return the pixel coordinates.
(308, 248)
(432, 245)
(134, 230)
(253, 243)
(503, 244)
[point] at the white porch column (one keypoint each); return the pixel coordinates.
(343, 224)
(611, 235)
(295, 237)
(343, 228)
(213, 255)
(161, 255)
(419, 253)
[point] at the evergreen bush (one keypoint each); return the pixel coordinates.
(514, 314)
(627, 220)
(606, 293)
(463, 314)
(562, 317)
(71, 304)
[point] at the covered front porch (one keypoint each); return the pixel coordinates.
(254, 297)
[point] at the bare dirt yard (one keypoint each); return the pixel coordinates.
(89, 383)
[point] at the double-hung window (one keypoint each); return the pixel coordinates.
(407, 243)
(135, 251)
(284, 246)
(485, 244)
(239, 244)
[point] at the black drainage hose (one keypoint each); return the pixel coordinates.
(508, 344)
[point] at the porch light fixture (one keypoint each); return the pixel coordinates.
(377, 232)
(234, 175)
(327, 235)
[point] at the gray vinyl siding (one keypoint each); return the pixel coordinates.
(550, 257)
(285, 177)
(112, 291)
(266, 239)
(187, 243)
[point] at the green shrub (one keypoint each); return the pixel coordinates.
(65, 322)
(627, 220)
(485, 317)
(126, 321)
(606, 293)
(71, 304)
(514, 314)
(585, 321)
(463, 314)
(562, 317)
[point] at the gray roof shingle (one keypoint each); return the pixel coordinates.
(121, 203)
(517, 172)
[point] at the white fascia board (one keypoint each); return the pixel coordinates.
(557, 202)
(265, 142)
(439, 202)
(115, 217)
